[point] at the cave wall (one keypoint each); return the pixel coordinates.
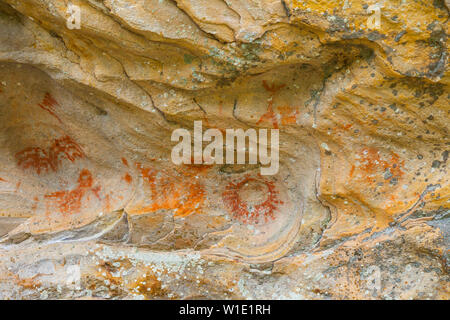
(91, 204)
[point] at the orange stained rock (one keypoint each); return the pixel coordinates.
(70, 201)
(352, 171)
(191, 170)
(180, 193)
(149, 285)
(107, 199)
(28, 283)
(343, 127)
(288, 115)
(371, 163)
(269, 116)
(347, 126)
(128, 178)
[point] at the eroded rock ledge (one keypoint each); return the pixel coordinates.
(92, 206)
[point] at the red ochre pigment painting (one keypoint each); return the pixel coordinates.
(371, 162)
(127, 177)
(254, 213)
(49, 104)
(42, 160)
(285, 114)
(181, 193)
(70, 201)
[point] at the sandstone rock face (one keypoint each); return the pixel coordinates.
(91, 205)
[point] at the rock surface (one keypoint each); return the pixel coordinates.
(91, 205)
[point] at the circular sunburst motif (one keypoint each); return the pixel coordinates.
(252, 199)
